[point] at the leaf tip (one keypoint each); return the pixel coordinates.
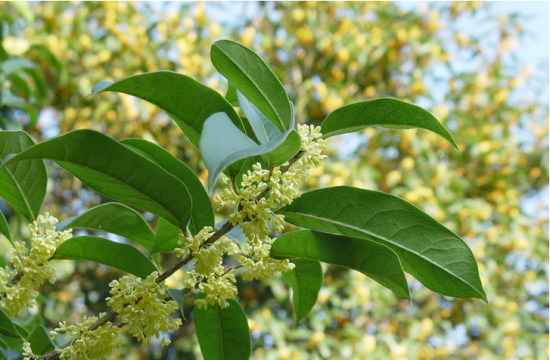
(101, 86)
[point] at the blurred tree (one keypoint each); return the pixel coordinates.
(328, 55)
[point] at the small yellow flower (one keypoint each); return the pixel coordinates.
(138, 304)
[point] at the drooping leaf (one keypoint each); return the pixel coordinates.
(166, 238)
(385, 112)
(117, 219)
(115, 171)
(186, 100)
(306, 280)
(222, 144)
(7, 327)
(202, 213)
(223, 333)
(375, 260)
(40, 341)
(121, 256)
(178, 298)
(4, 228)
(433, 254)
(25, 193)
(244, 69)
(11, 354)
(262, 127)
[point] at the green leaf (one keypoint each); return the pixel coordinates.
(202, 213)
(40, 341)
(25, 193)
(4, 228)
(433, 254)
(166, 238)
(385, 112)
(116, 171)
(121, 256)
(244, 69)
(223, 144)
(262, 127)
(368, 257)
(117, 219)
(7, 327)
(231, 95)
(11, 354)
(184, 99)
(223, 333)
(306, 280)
(178, 298)
(12, 65)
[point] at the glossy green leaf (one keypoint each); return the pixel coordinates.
(231, 95)
(244, 69)
(202, 213)
(376, 261)
(4, 228)
(11, 354)
(262, 127)
(223, 333)
(117, 219)
(178, 298)
(433, 254)
(121, 256)
(7, 327)
(116, 171)
(223, 144)
(385, 112)
(186, 100)
(40, 341)
(166, 238)
(25, 193)
(306, 280)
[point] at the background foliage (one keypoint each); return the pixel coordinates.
(327, 55)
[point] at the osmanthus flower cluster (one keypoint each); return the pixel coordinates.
(256, 215)
(209, 273)
(140, 305)
(87, 344)
(31, 267)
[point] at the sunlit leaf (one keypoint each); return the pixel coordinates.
(121, 256)
(376, 261)
(223, 333)
(40, 341)
(222, 144)
(186, 100)
(117, 219)
(25, 193)
(202, 213)
(385, 112)
(306, 280)
(166, 238)
(115, 171)
(433, 254)
(244, 69)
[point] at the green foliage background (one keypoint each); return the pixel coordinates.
(327, 55)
